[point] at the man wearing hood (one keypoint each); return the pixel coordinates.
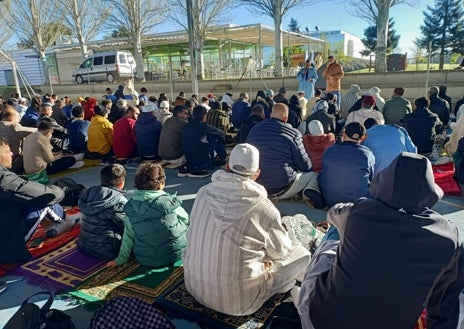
(349, 100)
(395, 257)
(238, 253)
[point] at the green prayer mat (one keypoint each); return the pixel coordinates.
(129, 280)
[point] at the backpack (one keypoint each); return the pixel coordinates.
(72, 191)
(127, 313)
(31, 316)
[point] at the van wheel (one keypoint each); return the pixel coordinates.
(79, 79)
(110, 78)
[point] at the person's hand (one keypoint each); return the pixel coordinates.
(111, 263)
(58, 155)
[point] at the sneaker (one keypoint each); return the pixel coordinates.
(2, 286)
(198, 173)
(183, 172)
(79, 157)
(314, 197)
(78, 164)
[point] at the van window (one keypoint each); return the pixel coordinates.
(122, 59)
(87, 63)
(110, 59)
(98, 60)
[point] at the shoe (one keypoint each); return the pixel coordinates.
(198, 173)
(315, 197)
(183, 172)
(78, 164)
(2, 286)
(79, 156)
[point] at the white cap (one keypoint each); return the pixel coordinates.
(244, 159)
(315, 128)
(149, 107)
(164, 104)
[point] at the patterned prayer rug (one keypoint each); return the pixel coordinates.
(60, 269)
(129, 280)
(49, 243)
(179, 301)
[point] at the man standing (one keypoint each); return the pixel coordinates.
(396, 107)
(395, 256)
(285, 165)
(238, 253)
(17, 196)
(333, 73)
(306, 77)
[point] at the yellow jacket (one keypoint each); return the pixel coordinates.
(100, 135)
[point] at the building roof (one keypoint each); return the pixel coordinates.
(251, 34)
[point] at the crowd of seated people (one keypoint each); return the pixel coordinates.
(333, 158)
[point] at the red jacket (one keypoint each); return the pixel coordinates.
(315, 147)
(124, 137)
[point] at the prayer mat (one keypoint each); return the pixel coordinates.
(61, 269)
(444, 177)
(49, 243)
(179, 301)
(129, 280)
(88, 163)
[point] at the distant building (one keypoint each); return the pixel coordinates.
(352, 45)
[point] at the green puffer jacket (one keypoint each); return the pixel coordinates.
(159, 226)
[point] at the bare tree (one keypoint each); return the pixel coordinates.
(138, 18)
(85, 19)
(376, 12)
(276, 9)
(205, 14)
(34, 23)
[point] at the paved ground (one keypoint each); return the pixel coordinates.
(186, 188)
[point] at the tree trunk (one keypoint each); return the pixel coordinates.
(278, 44)
(140, 70)
(200, 59)
(43, 60)
(382, 36)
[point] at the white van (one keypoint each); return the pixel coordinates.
(105, 66)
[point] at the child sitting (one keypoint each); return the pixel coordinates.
(103, 209)
(156, 225)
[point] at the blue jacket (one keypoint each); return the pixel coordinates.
(103, 224)
(78, 135)
(240, 112)
(30, 118)
(281, 153)
(147, 132)
(347, 172)
(196, 139)
(387, 142)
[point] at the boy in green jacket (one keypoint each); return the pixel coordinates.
(156, 224)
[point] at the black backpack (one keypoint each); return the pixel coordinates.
(31, 316)
(72, 191)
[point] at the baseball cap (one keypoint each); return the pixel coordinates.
(244, 159)
(355, 130)
(301, 92)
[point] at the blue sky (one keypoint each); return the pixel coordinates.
(328, 15)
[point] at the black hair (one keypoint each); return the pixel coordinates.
(112, 175)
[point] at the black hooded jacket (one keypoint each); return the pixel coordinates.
(396, 256)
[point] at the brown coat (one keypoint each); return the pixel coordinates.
(333, 74)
